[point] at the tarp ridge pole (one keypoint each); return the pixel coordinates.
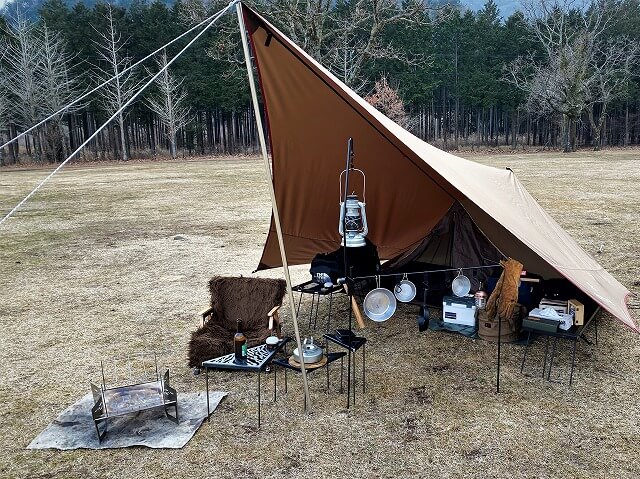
(127, 103)
(106, 82)
(272, 194)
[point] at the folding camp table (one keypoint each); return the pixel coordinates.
(575, 333)
(258, 357)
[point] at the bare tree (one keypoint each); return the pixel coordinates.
(356, 37)
(344, 37)
(4, 109)
(23, 58)
(170, 104)
(59, 88)
(111, 51)
(611, 72)
(571, 35)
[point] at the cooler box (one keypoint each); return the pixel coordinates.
(457, 310)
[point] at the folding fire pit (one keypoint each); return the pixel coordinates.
(132, 397)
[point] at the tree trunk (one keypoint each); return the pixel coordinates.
(123, 143)
(626, 124)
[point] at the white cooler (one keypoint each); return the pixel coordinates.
(460, 311)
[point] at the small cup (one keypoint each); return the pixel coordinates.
(272, 342)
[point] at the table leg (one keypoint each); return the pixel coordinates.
(327, 367)
(353, 358)
(573, 360)
(553, 353)
(329, 314)
(348, 377)
(363, 370)
(315, 318)
(299, 302)
(313, 299)
(206, 380)
(259, 399)
(546, 353)
(524, 356)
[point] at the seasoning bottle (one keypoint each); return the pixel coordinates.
(240, 343)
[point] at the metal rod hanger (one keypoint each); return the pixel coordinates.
(424, 272)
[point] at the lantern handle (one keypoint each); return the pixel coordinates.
(364, 185)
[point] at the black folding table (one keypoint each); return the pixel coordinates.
(575, 333)
(319, 290)
(258, 357)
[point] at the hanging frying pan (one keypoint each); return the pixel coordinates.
(379, 303)
(423, 315)
(461, 285)
(405, 290)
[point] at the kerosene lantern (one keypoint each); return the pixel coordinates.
(353, 216)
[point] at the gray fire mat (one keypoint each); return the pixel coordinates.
(74, 427)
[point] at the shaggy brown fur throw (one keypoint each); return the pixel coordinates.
(504, 297)
(233, 299)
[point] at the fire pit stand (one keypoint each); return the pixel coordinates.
(133, 397)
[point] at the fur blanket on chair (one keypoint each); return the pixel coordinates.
(233, 299)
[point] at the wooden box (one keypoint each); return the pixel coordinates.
(577, 308)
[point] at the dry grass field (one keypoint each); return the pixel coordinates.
(90, 269)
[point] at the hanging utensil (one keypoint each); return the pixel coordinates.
(379, 303)
(461, 285)
(423, 315)
(405, 290)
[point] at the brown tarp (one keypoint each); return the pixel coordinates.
(411, 185)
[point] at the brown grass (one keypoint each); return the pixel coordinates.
(90, 269)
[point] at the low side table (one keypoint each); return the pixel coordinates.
(313, 288)
(351, 346)
(258, 357)
(331, 357)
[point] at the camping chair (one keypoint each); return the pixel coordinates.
(254, 301)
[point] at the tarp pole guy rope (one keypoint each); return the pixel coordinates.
(128, 102)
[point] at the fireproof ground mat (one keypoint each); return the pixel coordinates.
(74, 428)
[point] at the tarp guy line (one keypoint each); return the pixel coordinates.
(64, 108)
(24, 200)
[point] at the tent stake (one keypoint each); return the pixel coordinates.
(276, 215)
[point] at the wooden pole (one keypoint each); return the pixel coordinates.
(276, 215)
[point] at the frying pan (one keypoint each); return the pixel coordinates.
(379, 304)
(461, 285)
(405, 290)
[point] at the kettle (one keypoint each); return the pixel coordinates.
(311, 352)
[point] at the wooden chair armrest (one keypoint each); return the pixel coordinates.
(204, 313)
(274, 320)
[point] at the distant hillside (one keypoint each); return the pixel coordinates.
(31, 7)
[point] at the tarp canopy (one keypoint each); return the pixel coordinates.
(411, 185)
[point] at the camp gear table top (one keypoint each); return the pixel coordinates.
(258, 357)
(575, 333)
